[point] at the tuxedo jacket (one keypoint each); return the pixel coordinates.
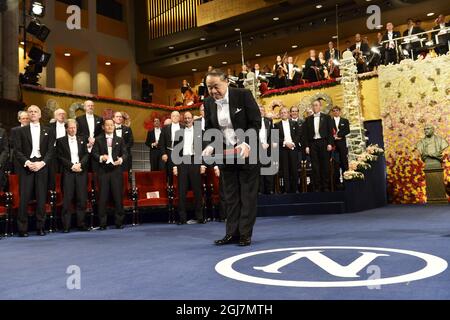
(127, 136)
(24, 144)
(244, 111)
(295, 133)
(83, 128)
(364, 48)
(415, 30)
(3, 149)
(63, 153)
(52, 126)
(198, 140)
(101, 147)
(344, 127)
(166, 140)
(325, 129)
(151, 138)
(395, 34)
(328, 55)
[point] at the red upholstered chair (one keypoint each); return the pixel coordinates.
(151, 182)
(13, 180)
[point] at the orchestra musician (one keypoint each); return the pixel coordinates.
(323, 66)
(280, 71)
(293, 72)
(443, 36)
(360, 51)
(312, 68)
(390, 47)
(242, 76)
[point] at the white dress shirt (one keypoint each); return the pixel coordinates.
(336, 120)
(316, 126)
(390, 37)
(291, 70)
(73, 146)
(119, 130)
(224, 119)
(188, 141)
(203, 124)
(35, 138)
(157, 134)
(256, 74)
(91, 124)
(262, 132)
(60, 130)
(358, 45)
(287, 132)
(175, 128)
(110, 147)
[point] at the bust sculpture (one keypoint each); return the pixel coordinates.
(431, 148)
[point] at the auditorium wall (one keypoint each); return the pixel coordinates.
(412, 95)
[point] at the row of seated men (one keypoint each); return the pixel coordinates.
(72, 147)
(316, 140)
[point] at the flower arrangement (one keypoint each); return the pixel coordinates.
(353, 175)
(356, 165)
(367, 157)
(375, 150)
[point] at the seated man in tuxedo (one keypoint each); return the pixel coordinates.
(341, 128)
(290, 135)
(319, 143)
(110, 152)
(24, 120)
(34, 149)
(3, 157)
(152, 140)
(73, 158)
(126, 134)
(188, 168)
(229, 109)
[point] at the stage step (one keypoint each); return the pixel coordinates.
(301, 203)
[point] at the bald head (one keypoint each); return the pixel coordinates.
(175, 117)
(89, 106)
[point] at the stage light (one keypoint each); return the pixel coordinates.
(171, 48)
(276, 18)
(67, 54)
(258, 55)
(375, 50)
(294, 46)
(40, 31)
(37, 8)
(39, 56)
(319, 6)
(430, 14)
(194, 70)
(202, 39)
(237, 29)
(107, 63)
(224, 62)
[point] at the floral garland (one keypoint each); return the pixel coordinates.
(362, 163)
(64, 93)
(314, 85)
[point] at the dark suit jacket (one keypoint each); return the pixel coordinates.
(63, 153)
(165, 139)
(198, 140)
(244, 111)
(101, 147)
(328, 54)
(295, 132)
(3, 149)
(364, 48)
(24, 144)
(344, 127)
(415, 30)
(52, 126)
(151, 138)
(325, 129)
(443, 38)
(127, 136)
(395, 34)
(83, 128)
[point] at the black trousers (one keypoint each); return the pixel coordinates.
(240, 186)
(110, 182)
(189, 174)
(222, 203)
(390, 56)
(342, 151)
(32, 184)
(289, 168)
(156, 163)
(168, 167)
(320, 162)
(74, 186)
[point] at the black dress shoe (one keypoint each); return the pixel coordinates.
(102, 228)
(119, 226)
(41, 232)
(23, 234)
(66, 230)
(245, 241)
(83, 229)
(228, 239)
(181, 222)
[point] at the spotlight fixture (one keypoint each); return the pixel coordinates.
(107, 63)
(38, 30)
(319, 6)
(39, 56)
(67, 54)
(224, 62)
(171, 48)
(334, 37)
(194, 70)
(258, 55)
(237, 29)
(202, 39)
(37, 8)
(430, 14)
(276, 18)
(38, 60)
(294, 46)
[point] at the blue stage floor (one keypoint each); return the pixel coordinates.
(161, 261)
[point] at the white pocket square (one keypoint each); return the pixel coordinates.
(46, 134)
(238, 110)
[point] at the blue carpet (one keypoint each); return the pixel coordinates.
(161, 261)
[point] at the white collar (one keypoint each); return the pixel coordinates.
(225, 98)
(109, 136)
(89, 115)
